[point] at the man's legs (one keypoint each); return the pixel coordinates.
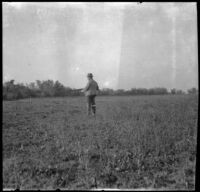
(88, 105)
(93, 104)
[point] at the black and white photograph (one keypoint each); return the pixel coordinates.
(99, 95)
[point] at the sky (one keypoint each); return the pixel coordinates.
(124, 45)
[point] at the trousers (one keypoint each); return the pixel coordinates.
(91, 105)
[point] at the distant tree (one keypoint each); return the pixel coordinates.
(133, 91)
(173, 91)
(39, 84)
(49, 88)
(107, 91)
(9, 84)
(46, 88)
(68, 91)
(192, 91)
(9, 90)
(151, 91)
(161, 91)
(179, 92)
(59, 89)
(21, 91)
(142, 91)
(32, 85)
(34, 91)
(119, 92)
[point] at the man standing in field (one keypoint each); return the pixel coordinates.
(91, 90)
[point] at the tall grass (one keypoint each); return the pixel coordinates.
(134, 142)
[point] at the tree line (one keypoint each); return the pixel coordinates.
(49, 88)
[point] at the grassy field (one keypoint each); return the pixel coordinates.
(134, 142)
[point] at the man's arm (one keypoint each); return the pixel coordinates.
(87, 87)
(97, 87)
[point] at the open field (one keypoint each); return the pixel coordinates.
(134, 142)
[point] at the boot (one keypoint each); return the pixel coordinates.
(88, 110)
(94, 109)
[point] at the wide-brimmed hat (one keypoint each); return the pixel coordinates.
(89, 75)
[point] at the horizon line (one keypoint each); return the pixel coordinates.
(114, 89)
